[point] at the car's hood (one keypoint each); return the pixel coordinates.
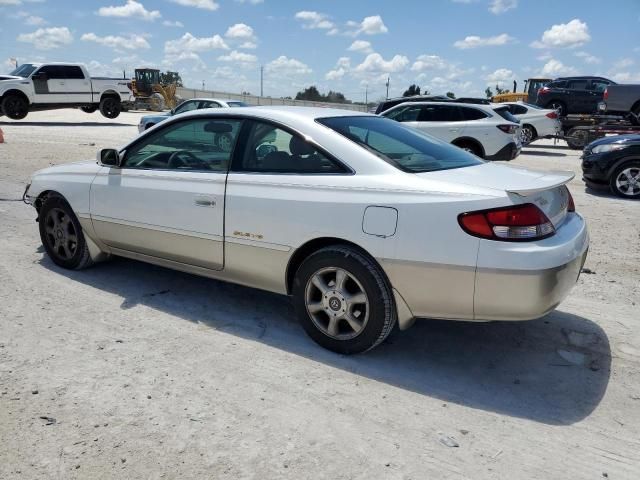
(615, 139)
(155, 118)
(9, 77)
(82, 167)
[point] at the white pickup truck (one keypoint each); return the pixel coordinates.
(48, 86)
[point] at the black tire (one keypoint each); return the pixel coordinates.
(469, 147)
(15, 107)
(110, 107)
(89, 109)
(580, 138)
(623, 172)
(559, 106)
(528, 134)
(62, 236)
(380, 311)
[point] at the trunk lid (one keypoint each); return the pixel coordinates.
(546, 190)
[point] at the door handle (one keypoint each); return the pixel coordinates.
(205, 202)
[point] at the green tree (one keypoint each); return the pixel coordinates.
(411, 91)
(168, 77)
(500, 91)
(451, 95)
(312, 93)
(488, 92)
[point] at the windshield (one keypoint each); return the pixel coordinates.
(405, 148)
(237, 104)
(24, 70)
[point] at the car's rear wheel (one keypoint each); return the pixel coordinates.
(469, 146)
(61, 234)
(527, 134)
(343, 300)
(625, 181)
(15, 107)
(110, 107)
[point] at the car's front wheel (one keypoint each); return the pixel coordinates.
(625, 181)
(61, 234)
(15, 107)
(343, 300)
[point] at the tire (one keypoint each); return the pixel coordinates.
(15, 107)
(559, 106)
(346, 316)
(625, 181)
(527, 134)
(62, 236)
(580, 136)
(90, 109)
(469, 147)
(110, 107)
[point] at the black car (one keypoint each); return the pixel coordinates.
(614, 163)
(573, 94)
(392, 102)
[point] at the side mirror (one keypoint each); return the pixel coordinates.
(109, 157)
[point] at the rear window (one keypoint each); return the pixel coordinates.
(506, 114)
(403, 147)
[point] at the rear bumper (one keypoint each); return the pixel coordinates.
(508, 152)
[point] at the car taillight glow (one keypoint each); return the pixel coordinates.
(524, 222)
(510, 129)
(543, 90)
(552, 115)
(571, 207)
(606, 94)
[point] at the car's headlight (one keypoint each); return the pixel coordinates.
(607, 148)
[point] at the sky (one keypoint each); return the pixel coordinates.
(351, 46)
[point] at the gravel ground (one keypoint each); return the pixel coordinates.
(127, 370)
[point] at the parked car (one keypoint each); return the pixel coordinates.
(149, 121)
(621, 99)
(363, 221)
(392, 102)
(48, 86)
(613, 163)
(488, 132)
(573, 94)
(535, 122)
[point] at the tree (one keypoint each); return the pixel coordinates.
(167, 78)
(451, 95)
(411, 91)
(500, 91)
(488, 92)
(312, 93)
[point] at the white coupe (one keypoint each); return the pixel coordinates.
(365, 222)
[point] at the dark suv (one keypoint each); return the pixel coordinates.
(573, 94)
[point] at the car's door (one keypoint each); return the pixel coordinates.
(596, 90)
(48, 85)
(167, 198)
(578, 96)
(78, 87)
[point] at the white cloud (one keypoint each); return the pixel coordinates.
(47, 38)
(169, 23)
(203, 4)
(588, 58)
(131, 9)
(372, 25)
(342, 67)
(626, 77)
(18, 2)
(188, 43)
(132, 42)
(284, 66)
(555, 68)
(35, 21)
(564, 35)
(252, 2)
(361, 46)
(239, 30)
(429, 62)
(238, 57)
(500, 77)
(474, 41)
(623, 63)
(374, 63)
(500, 6)
(248, 45)
(314, 20)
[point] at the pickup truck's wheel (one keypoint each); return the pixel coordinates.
(62, 236)
(343, 300)
(89, 109)
(110, 107)
(625, 181)
(15, 107)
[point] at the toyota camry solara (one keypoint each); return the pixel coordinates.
(364, 222)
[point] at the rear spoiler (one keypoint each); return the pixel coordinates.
(551, 180)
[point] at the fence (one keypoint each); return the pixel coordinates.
(187, 93)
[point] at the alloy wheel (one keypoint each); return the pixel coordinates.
(628, 181)
(61, 234)
(337, 303)
(526, 135)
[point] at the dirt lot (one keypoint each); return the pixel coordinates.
(127, 370)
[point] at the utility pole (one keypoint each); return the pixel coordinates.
(388, 80)
(262, 80)
(202, 84)
(366, 94)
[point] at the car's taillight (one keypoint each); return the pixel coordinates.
(543, 90)
(571, 207)
(606, 94)
(524, 222)
(552, 115)
(510, 129)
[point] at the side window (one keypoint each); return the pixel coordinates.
(209, 104)
(578, 84)
(599, 86)
(560, 84)
(196, 144)
(270, 149)
(405, 114)
(71, 72)
(518, 109)
(51, 71)
(440, 113)
(186, 107)
(472, 113)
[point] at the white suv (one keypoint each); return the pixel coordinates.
(490, 132)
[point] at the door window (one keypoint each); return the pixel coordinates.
(209, 104)
(599, 86)
(405, 114)
(186, 106)
(517, 109)
(270, 149)
(195, 144)
(70, 72)
(472, 113)
(578, 84)
(440, 113)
